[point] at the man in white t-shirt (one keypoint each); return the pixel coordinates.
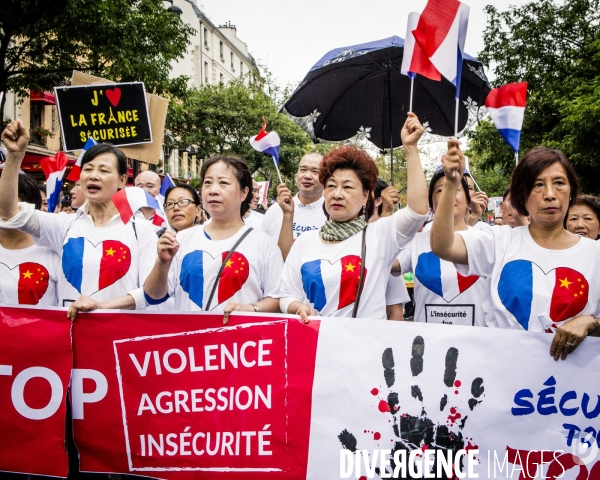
(150, 182)
(252, 217)
(303, 212)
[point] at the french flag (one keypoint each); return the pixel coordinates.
(506, 106)
(331, 286)
(129, 200)
(441, 33)
(75, 172)
(54, 170)
(267, 142)
(166, 183)
(414, 60)
(441, 277)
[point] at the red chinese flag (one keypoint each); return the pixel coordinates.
(114, 264)
(33, 283)
(233, 276)
(349, 280)
(570, 294)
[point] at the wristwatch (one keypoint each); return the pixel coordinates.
(256, 307)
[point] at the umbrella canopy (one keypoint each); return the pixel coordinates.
(354, 89)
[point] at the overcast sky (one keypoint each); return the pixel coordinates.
(290, 36)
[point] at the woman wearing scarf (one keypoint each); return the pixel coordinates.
(342, 269)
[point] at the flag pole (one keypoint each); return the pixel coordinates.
(516, 158)
(412, 85)
(277, 168)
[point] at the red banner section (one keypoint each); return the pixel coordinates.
(35, 366)
(191, 397)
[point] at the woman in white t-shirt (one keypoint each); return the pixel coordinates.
(541, 277)
(442, 295)
(324, 272)
(29, 271)
(101, 257)
(223, 266)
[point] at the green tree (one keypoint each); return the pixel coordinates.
(42, 42)
(555, 47)
(222, 118)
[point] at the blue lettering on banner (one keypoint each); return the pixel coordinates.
(568, 405)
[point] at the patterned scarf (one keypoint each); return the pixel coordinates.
(333, 231)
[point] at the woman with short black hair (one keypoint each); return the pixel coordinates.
(583, 217)
(222, 266)
(541, 277)
(102, 257)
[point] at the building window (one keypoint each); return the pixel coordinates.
(221, 78)
(232, 66)
(205, 72)
(205, 37)
(241, 68)
(221, 51)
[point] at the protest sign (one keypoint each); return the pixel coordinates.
(182, 396)
(115, 113)
(157, 109)
(35, 366)
(263, 196)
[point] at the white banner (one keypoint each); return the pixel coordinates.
(496, 395)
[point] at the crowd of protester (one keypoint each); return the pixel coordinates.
(338, 248)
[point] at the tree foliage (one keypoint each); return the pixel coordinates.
(555, 47)
(41, 42)
(222, 118)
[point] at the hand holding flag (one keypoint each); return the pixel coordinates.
(267, 143)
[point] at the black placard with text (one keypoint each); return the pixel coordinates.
(115, 113)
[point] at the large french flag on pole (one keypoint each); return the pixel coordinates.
(54, 170)
(506, 106)
(130, 200)
(266, 142)
(75, 172)
(441, 33)
(414, 59)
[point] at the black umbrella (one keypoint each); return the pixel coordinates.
(360, 89)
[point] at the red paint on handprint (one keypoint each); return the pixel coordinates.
(457, 383)
(376, 436)
(374, 392)
(383, 406)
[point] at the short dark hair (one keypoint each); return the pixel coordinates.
(42, 188)
(355, 159)
(241, 172)
(380, 187)
(505, 193)
(29, 191)
(525, 174)
(65, 203)
(192, 191)
(439, 173)
(103, 148)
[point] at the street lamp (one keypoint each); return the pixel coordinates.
(174, 9)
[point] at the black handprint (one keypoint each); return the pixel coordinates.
(420, 432)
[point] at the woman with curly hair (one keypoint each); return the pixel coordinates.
(342, 269)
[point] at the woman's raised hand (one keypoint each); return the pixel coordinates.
(453, 161)
(411, 131)
(167, 246)
(15, 137)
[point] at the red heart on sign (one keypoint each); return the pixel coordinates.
(114, 96)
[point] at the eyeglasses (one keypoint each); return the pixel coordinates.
(181, 203)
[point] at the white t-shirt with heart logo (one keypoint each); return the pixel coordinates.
(327, 276)
(252, 273)
(533, 288)
(102, 263)
(441, 295)
(28, 276)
